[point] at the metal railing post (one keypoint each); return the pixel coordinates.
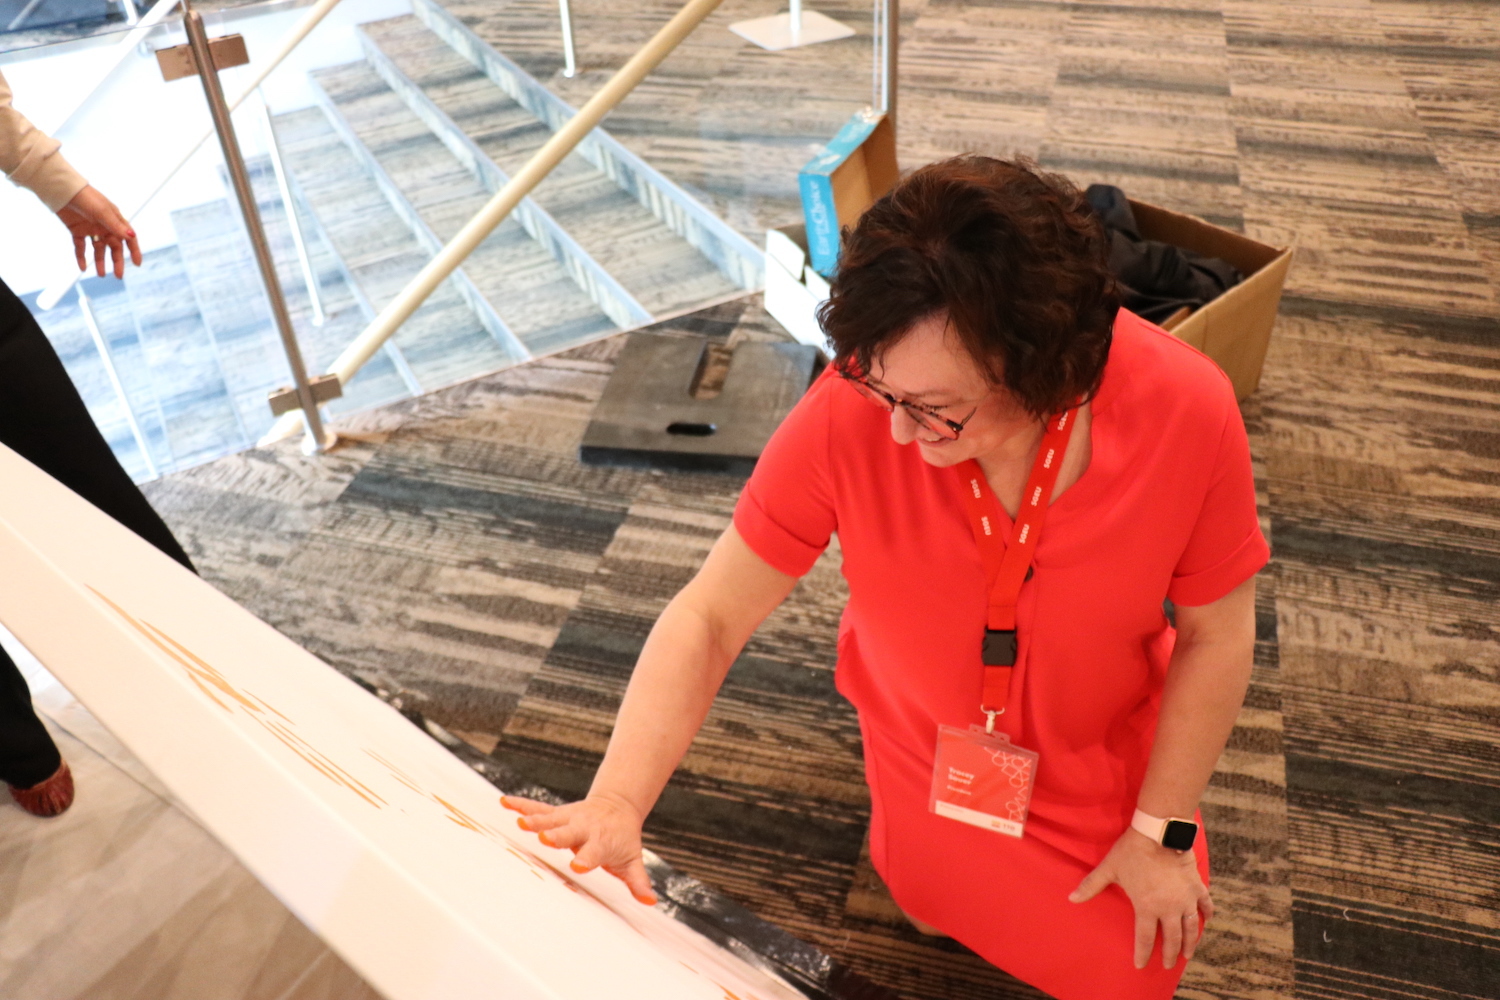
(309, 277)
(570, 54)
(314, 16)
(192, 21)
(887, 38)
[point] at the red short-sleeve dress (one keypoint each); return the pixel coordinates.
(1165, 509)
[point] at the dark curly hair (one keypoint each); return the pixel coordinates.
(1013, 255)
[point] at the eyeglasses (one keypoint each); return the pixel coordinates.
(926, 416)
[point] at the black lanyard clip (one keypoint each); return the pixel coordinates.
(999, 648)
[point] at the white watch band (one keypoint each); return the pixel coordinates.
(1173, 833)
(1152, 827)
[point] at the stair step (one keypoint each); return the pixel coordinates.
(656, 265)
(443, 341)
(232, 302)
(531, 291)
(194, 402)
(232, 299)
(737, 258)
(385, 378)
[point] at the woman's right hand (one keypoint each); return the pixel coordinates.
(602, 831)
(91, 216)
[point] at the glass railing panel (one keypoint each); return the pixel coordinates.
(78, 347)
(121, 351)
(392, 126)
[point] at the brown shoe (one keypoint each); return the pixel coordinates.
(49, 798)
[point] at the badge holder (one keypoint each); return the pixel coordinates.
(982, 779)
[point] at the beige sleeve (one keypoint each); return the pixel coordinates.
(31, 159)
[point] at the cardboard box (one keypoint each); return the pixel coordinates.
(1235, 328)
(837, 185)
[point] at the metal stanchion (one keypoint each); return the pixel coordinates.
(306, 394)
(887, 37)
(570, 54)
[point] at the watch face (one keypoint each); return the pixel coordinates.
(1179, 835)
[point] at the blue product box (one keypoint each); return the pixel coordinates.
(837, 185)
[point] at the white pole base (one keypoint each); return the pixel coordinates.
(775, 33)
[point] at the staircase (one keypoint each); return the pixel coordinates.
(399, 150)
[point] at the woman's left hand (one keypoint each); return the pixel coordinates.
(1163, 886)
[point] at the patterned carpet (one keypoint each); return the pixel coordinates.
(463, 562)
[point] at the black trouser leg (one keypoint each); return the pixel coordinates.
(43, 419)
(27, 754)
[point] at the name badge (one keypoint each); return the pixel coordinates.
(982, 779)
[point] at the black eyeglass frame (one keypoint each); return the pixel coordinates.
(920, 412)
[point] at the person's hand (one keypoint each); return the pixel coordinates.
(602, 832)
(91, 216)
(1163, 886)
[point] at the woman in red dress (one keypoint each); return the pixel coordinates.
(1020, 473)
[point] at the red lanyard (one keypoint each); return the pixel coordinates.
(1005, 568)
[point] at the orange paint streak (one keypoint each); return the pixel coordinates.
(208, 680)
(397, 773)
(291, 744)
(321, 762)
(531, 862)
(353, 782)
(198, 666)
(141, 628)
(268, 706)
(464, 819)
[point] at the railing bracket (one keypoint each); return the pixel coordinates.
(324, 388)
(177, 61)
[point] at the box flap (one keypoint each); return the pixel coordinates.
(782, 249)
(855, 131)
(1192, 233)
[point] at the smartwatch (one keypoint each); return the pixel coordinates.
(1172, 833)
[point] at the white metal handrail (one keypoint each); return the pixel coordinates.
(53, 293)
(448, 259)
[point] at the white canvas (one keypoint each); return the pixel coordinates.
(383, 843)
